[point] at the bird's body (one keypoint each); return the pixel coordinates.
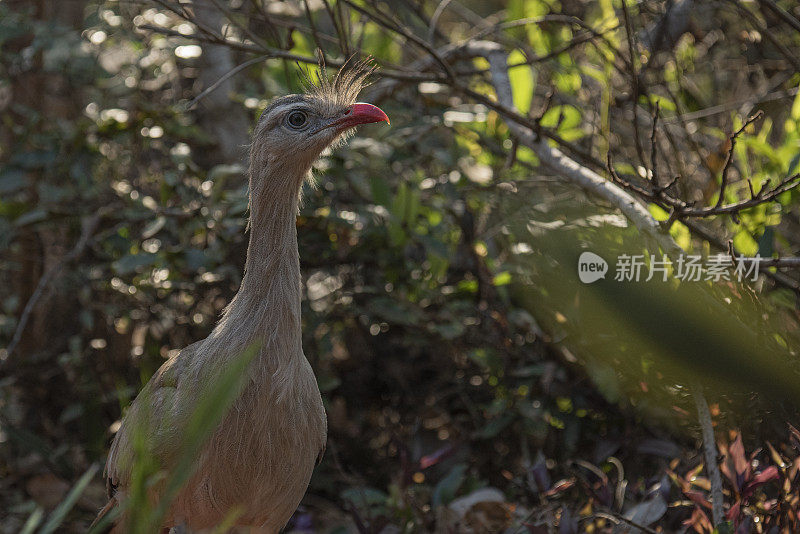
(259, 460)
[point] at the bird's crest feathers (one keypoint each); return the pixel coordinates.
(343, 89)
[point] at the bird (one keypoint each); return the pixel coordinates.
(259, 460)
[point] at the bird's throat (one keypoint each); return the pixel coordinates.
(266, 308)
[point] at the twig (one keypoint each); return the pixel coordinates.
(391, 25)
(259, 6)
(767, 34)
(233, 20)
(703, 233)
(223, 78)
(555, 159)
(654, 149)
(724, 180)
(762, 262)
(88, 226)
(781, 13)
(684, 210)
(336, 26)
(710, 450)
(435, 19)
(548, 99)
(314, 31)
(634, 82)
(275, 53)
(619, 518)
(724, 108)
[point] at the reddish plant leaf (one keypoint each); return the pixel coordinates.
(558, 487)
(437, 456)
(794, 436)
(770, 473)
(736, 466)
(761, 478)
(699, 522)
(733, 511)
(698, 498)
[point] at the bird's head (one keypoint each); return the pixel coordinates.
(294, 130)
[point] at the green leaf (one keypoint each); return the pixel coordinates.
(564, 117)
(794, 164)
(445, 490)
(131, 263)
(12, 180)
(495, 426)
(522, 81)
(795, 113)
(31, 217)
(399, 202)
(502, 279)
(33, 521)
(744, 243)
(364, 496)
(380, 190)
(766, 242)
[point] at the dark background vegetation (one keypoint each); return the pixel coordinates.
(471, 383)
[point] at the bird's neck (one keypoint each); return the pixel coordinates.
(272, 255)
(266, 309)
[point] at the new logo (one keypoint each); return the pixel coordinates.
(591, 267)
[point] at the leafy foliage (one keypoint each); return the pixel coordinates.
(471, 382)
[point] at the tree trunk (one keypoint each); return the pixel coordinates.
(224, 120)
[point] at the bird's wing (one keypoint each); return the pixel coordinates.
(153, 422)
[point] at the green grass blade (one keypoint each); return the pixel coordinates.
(58, 515)
(211, 406)
(33, 521)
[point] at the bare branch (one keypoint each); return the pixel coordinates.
(222, 80)
(391, 25)
(729, 160)
(88, 227)
(634, 83)
(555, 159)
(654, 150)
(275, 53)
(710, 450)
(781, 13)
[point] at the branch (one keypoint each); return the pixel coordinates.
(732, 139)
(88, 226)
(276, 53)
(700, 231)
(208, 90)
(762, 262)
(392, 26)
(683, 210)
(619, 518)
(781, 13)
(558, 161)
(710, 450)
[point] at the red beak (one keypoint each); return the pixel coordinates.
(360, 113)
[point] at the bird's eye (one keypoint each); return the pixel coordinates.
(297, 119)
